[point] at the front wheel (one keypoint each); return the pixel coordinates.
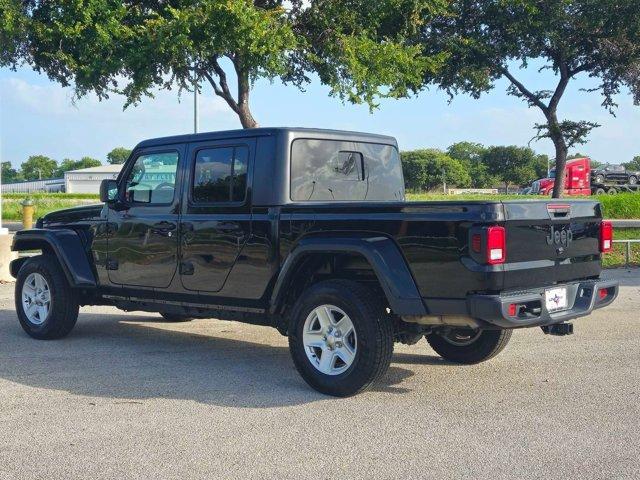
(340, 337)
(465, 345)
(46, 305)
(633, 180)
(599, 179)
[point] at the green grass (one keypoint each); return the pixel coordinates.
(12, 206)
(616, 258)
(40, 195)
(623, 205)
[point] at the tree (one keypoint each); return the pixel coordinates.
(134, 47)
(514, 165)
(118, 155)
(632, 165)
(423, 170)
(12, 32)
(470, 154)
(85, 162)
(39, 167)
(10, 174)
(486, 40)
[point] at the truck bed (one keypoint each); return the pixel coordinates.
(434, 238)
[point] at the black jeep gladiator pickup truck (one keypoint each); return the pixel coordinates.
(308, 231)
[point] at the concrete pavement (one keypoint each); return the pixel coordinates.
(127, 395)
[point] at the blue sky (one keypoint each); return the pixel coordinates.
(39, 117)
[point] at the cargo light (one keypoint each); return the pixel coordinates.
(496, 245)
(606, 236)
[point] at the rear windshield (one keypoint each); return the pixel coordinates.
(345, 171)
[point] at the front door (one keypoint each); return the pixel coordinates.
(216, 220)
(143, 239)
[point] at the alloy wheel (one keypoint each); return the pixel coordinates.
(329, 339)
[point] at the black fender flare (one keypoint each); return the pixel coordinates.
(383, 255)
(65, 245)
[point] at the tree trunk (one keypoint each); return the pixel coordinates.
(561, 154)
(244, 86)
(246, 119)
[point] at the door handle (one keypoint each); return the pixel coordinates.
(163, 228)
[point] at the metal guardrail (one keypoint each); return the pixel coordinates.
(627, 254)
(625, 223)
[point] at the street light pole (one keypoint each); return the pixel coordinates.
(195, 102)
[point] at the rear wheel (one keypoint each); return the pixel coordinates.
(600, 191)
(340, 337)
(599, 179)
(612, 191)
(46, 305)
(633, 180)
(465, 345)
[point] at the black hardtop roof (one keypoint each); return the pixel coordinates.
(253, 132)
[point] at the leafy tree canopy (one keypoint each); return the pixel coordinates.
(106, 46)
(118, 155)
(85, 162)
(39, 167)
(10, 174)
(515, 165)
(632, 165)
(486, 40)
(423, 170)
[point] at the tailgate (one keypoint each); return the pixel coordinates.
(551, 242)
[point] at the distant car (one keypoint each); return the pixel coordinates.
(614, 174)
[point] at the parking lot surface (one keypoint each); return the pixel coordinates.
(128, 395)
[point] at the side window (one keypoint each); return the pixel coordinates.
(333, 170)
(152, 179)
(220, 174)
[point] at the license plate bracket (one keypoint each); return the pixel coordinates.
(556, 299)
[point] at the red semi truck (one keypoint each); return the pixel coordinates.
(577, 180)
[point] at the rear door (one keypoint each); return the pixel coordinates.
(216, 221)
(551, 242)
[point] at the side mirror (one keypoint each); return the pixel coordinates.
(108, 191)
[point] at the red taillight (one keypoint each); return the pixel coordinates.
(496, 245)
(602, 293)
(476, 242)
(606, 236)
(513, 309)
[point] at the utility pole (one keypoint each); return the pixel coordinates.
(195, 102)
(444, 181)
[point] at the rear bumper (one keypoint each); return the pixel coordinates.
(582, 297)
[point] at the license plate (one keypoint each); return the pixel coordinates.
(556, 299)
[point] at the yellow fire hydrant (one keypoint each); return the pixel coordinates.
(27, 213)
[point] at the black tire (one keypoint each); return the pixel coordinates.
(63, 310)
(600, 191)
(633, 180)
(599, 179)
(612, 191)
(175, 317)
(372, 326)
(486, 344)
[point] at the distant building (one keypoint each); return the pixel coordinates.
(87, 180)
(32, 186)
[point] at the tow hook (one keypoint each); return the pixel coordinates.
(558, 329)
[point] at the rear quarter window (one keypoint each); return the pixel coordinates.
(329, 170)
